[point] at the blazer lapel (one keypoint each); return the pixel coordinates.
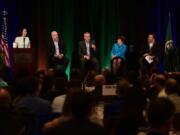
(60, 46)
(84, 46)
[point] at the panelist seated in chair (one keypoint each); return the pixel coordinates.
(87, 54)
(118, 54)
(22, 41)
(57, 53)
(150, 54)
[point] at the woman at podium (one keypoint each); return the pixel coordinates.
(22, 41)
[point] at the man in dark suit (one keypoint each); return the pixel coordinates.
(87, 54)
(150, 54)
(56, 53)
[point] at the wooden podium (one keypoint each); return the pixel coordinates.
(23, 62)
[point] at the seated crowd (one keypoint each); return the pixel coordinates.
(51, 104)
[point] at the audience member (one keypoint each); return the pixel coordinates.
(60, 90)
(176, 124)
(172, 90)
(30, 99)
(9, 120)
(124, 115)
(47, 86)
(75, 78)
(160, 116)
(157, 86)
(78, 107)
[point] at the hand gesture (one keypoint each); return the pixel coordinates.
(93, 46)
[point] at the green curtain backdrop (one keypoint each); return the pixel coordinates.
(105, 19)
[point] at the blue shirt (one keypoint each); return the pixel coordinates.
(119, 50)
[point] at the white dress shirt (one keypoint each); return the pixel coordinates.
(150, 45)
(21, 42)
(56, 48)
(88, 48)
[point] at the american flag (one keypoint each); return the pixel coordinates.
(4, 41)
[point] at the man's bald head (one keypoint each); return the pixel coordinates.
(5, 97)
(54, 35)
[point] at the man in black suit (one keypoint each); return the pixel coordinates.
(56, 53)
(150, 54)
(87, 54)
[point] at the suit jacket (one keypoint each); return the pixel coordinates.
(154, 51)
(83, 50)
(51, 51)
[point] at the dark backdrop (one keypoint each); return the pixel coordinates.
(105, 19)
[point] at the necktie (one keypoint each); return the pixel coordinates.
(24, 42)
